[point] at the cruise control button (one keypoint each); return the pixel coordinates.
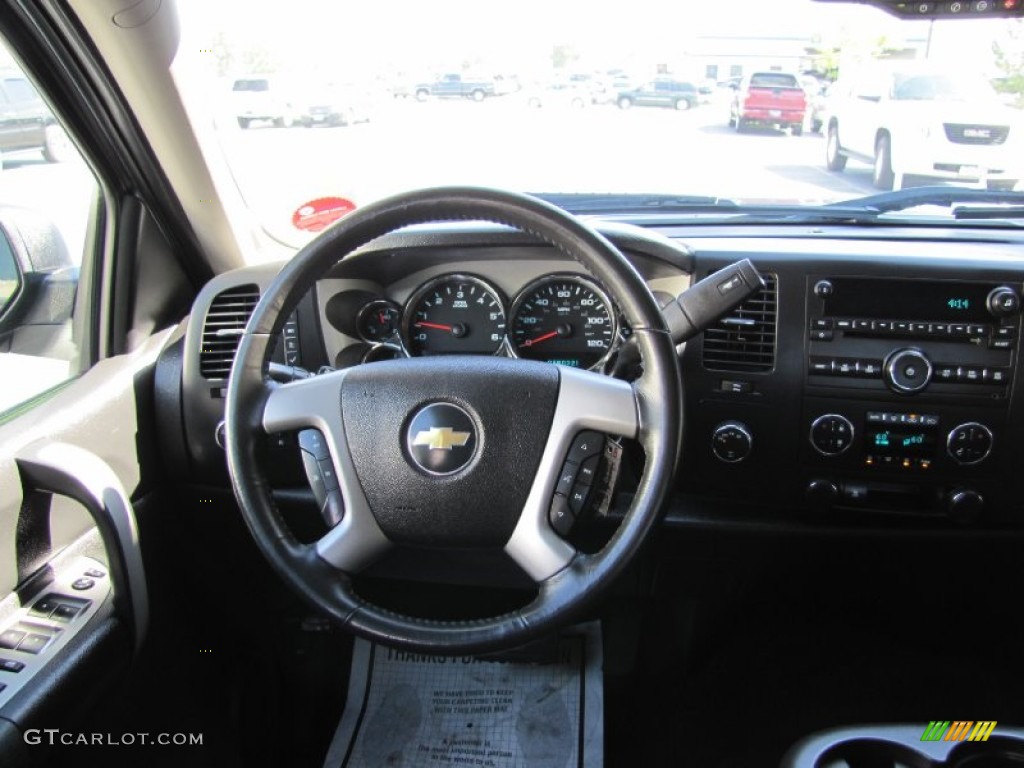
(566, 478)
(11, 638)
(34, 643)
(83, 583)
(560, 516)
(314, 476)
(11, 665)
(585, 445)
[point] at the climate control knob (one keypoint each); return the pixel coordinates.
(731, 442)
(969, 443)
(831, 434)
(907, 371)
(964, 506)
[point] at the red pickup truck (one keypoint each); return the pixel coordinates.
(773, 99)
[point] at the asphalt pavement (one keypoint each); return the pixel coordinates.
(504, 143)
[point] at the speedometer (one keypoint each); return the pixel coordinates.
(563, 319)
(453, 315)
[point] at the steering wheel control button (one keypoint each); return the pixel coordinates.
(585, 445)
(311, 441)
(560, 515)
(315, 478)
(441, 439)
(831, 434)
(567, 478)
(588, 470)
(578, 499)
(969, 443)
(11, 665)
(83, 584)
(328, 474)
(95, 573)
(908, 371)
(731, 442)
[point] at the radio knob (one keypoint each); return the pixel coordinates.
(1003, 302)
(907, 371)
(964, 506)
(821, 494)
(831, 434)
(731, 442)
(969, 443)
(823, 289)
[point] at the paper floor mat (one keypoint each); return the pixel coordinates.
(408, 709)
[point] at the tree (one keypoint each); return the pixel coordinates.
(1009, 55)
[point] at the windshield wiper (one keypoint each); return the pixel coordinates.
(861, 210)
(633, 203)
(901, 200)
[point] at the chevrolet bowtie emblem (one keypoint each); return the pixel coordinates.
(441, 438)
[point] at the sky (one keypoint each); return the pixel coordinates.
(402, 35)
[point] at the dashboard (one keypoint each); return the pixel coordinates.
(873, 382)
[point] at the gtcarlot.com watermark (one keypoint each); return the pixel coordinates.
(54, 736)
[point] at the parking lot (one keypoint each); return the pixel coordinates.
(501, 142)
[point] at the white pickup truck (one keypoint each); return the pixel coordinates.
(909, 120)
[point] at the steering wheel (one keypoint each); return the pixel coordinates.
(513, 422)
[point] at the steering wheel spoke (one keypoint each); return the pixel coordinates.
(315, 403)
(586, 401)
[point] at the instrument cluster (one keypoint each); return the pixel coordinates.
(559, 318)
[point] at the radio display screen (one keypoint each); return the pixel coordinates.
(900, 440)
(955, 302)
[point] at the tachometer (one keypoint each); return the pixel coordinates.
(563, 319)
(454, 314)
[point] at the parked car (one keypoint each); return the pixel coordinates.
(915, 120)
(675, 94)
(457, 86)
(772, 99)
(336, 105)
(563, 94)
(26, 123)
(264, 98)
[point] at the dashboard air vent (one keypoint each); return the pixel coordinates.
(744, 340)
(228, 315)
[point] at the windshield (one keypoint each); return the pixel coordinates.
(320, 107)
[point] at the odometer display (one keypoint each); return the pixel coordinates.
(454, 315)
(563, 320)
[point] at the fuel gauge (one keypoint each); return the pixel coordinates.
(378, 321)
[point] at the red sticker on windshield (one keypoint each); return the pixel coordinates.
(317, 214)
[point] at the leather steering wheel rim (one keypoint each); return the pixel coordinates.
(566, 590)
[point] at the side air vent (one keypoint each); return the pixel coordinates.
(229, 312)
(744, 340)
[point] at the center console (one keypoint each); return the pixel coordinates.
(906, 392)
(880, 398)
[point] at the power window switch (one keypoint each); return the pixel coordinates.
(10, 638)
(65, 612)
(34, 643)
